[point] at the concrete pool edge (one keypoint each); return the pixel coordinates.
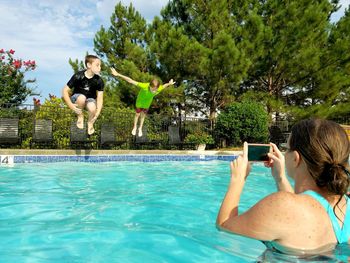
(84, 152)
(16, 156)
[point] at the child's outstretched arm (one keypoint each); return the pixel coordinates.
(171, 82)
(127, 79)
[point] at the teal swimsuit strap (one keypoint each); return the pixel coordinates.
(342, 234)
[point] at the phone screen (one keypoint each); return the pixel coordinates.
(258, 152)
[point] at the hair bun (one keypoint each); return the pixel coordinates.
(329, 167)
(335, 177)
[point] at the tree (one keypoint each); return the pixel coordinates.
(122, 46)
(14, 88)
(216, 61)
(295, 37)
(334, 81)
(302, 69)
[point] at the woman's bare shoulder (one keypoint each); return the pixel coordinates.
(290, 205)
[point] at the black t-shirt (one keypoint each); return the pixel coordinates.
(79, 83)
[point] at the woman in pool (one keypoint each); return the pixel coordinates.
(315, 215)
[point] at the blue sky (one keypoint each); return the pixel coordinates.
(52, 31)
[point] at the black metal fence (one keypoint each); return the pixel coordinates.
(157, 126)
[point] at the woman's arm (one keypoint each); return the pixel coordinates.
(264, 220)
(239, 172)
(268, 220)
(277, 165)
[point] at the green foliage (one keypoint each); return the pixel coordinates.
(61, 116)
(26, 119)
(288, 56)
(241, 122)
(298, 64)
(221, 63)
(199, 137)
(14, 87)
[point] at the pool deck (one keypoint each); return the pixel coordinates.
(86, 152)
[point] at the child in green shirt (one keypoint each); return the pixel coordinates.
(145, 97)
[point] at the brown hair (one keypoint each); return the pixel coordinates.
(90, 59)
(325, 148)
(155, 83)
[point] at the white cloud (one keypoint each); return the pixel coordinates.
(50, 32)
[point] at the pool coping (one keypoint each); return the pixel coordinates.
(86, 152)
(15, 156)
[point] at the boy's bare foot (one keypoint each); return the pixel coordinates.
(133, 132)
(91, 129)
(140, 132)
(80, 122)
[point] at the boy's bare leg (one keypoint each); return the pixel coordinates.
(137, 115)
(91, 107)
(143, 115)
(80, 104)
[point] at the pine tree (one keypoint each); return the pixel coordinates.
(123, 46)
(295, 37)
(216, 64)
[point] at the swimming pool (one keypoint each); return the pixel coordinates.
(123, 212)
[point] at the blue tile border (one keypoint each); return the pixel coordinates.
(118, 158)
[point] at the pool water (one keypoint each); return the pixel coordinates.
(124, 212)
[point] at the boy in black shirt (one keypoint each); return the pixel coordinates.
(85, 89)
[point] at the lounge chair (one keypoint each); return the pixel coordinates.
(175, 139)
(9, 131)
(143, 141)
(79, 137)
(108, 136)
(42, 132)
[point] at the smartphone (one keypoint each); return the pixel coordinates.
(258, 152)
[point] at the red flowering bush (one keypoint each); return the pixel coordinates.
(13, 86)
(36, 102)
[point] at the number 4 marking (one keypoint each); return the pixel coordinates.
(5, 160)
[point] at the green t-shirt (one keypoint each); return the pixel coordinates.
(145, 96)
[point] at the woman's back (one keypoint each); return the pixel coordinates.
(305, 224)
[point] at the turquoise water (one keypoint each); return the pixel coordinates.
(124, 212)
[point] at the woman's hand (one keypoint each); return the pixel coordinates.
(276, 163)
(240, 167)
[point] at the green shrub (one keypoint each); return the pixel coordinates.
(61, 117)
(199, 138)
(245, 121)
